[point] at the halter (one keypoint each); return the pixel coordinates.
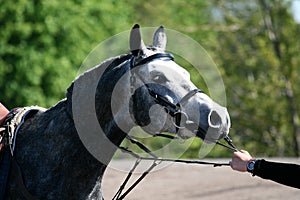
(174, 110)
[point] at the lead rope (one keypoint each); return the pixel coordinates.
(156, 161)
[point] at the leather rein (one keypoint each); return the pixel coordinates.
(174, 110)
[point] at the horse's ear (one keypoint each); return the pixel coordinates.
(160, 38)
(136, 42)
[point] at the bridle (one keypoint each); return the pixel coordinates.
(175, 111)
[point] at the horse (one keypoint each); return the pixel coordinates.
(145, 87)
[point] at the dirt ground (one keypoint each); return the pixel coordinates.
(191, 182)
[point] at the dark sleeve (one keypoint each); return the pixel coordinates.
(284, 173)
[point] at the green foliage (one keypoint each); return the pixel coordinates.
(260, 45)
(44, 42)
(254, 43)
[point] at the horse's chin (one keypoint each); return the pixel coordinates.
(212, 136)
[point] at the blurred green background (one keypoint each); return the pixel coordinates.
(255, 45)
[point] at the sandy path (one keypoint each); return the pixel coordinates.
(191, 182)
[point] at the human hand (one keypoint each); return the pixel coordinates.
(240, 160)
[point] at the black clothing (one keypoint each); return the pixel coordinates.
(284, 173)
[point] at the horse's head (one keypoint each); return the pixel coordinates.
(163, 97)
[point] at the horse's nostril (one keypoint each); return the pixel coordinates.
(214, 119)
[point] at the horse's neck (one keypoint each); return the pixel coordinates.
(91, 95)
(53, 160)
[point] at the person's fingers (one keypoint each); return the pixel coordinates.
(245, 153)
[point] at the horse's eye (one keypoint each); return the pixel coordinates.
(160, 79)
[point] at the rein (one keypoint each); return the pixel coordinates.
(157, 160)
(174, 110)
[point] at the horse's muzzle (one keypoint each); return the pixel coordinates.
(217, 126)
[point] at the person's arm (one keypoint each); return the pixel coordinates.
(284, 173)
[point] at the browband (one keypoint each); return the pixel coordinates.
(135, 63)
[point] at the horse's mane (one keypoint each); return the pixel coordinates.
(107, 65)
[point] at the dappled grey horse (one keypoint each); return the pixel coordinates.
(144, 88)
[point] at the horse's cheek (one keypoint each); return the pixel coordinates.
(139, 107)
